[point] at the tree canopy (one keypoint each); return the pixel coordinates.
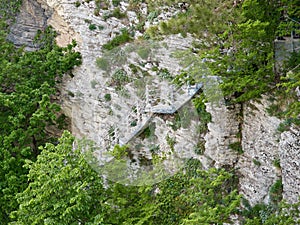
(28, 80)
(236, 39)
(64, 189)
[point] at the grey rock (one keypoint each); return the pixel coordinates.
(32, 17)
(289, 152)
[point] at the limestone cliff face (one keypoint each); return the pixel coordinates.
(223, 132)
(245, 127)
(261, 147)
(289, 148)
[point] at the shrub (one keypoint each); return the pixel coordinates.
(120, 152)
(77, 4)
(101, 27)
(70, 93)
(200, 147)
(276, 163)
(256, 162)
(236, 146)
(107, 97)
(96, 12)
(92, 27)
(133, 123)
(115, 13)
(171, 142)
(120, 77)
(118, 40)
(276, 191)
(116, 2)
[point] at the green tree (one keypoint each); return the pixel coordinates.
(63, 188)
(290, 82)
(197, 197)
(246, 59)
(236, 40)
(28, 81)
(192, 196)
(9, 8)
(200, 18)
(281, 214)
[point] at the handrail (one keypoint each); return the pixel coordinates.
(159, 110)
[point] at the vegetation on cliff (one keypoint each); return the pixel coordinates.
(237, 41)
(63, 189)
(47, 181)
(28, 80)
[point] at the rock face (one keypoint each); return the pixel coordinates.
(261, 148)
(223, 131)
(32, 17)
(289, 150)
(242, 137)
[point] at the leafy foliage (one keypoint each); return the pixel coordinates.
(283, 214)
(246, 58)
(291, 83)
(290, 18)
(63, 188)
(68, 191)
(9, 9)
(236, 41)
(120, 39)
(28, 81)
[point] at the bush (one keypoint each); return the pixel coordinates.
(256, 162)
(115, 13)
(120, 78)
(276, 191)
(116, 2)
(96, 12)
(276, 163)
(77, 4)
(118, 40)
(107, 97)
(236, 146)
(92, 27)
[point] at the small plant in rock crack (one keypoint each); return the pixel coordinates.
(200, 147)
(120, 152)
(276, 163)
(276, 191)
(77, 4)
(115, 13)
(236, 146)
(92, 27)
(107, 97)
(256, 162)
(120, 78)
(116, 2)
(118, 40)
(171, 141)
